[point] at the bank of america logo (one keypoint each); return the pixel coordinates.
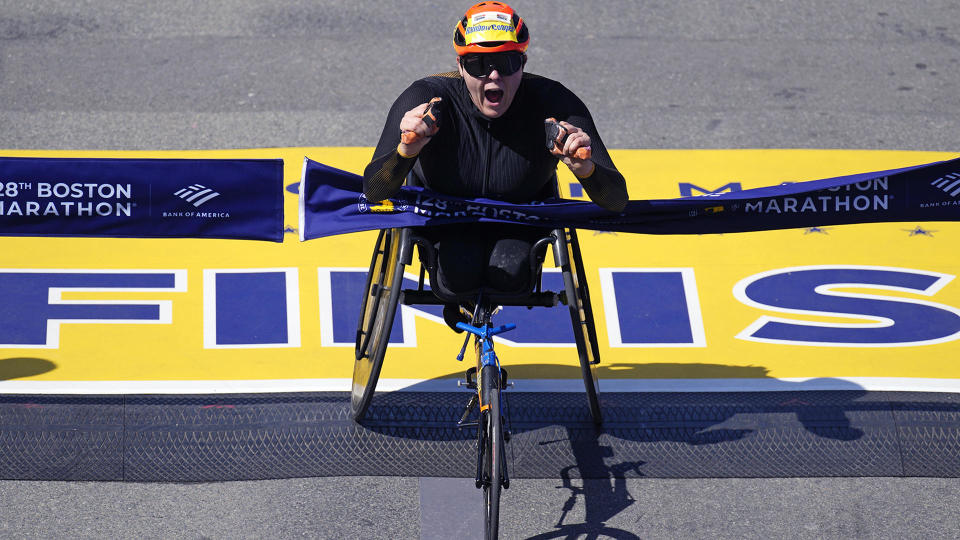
(196, 194)
(949, 183)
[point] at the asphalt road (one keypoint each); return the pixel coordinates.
(184, 74)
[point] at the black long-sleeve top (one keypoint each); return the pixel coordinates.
(502, 158)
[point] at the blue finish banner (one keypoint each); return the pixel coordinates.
(332, 202)
(142, 198)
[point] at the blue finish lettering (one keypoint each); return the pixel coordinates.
(892, 321)
(652, 308)
(32, 309)
(534, 326)
(251, 308)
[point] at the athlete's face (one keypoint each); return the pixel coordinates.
(492, 93)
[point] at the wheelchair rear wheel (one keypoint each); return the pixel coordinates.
(584, 327)
(377, 311)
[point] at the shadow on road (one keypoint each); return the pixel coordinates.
(594, 462)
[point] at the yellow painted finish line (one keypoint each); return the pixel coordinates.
(711, 272)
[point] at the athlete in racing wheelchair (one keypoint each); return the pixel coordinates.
(479, 132)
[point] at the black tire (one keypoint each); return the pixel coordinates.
(377, 311)
(493, 454)
(584, 327)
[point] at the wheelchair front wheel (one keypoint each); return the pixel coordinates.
(493, 451)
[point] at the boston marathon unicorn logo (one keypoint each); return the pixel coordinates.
(387, 206)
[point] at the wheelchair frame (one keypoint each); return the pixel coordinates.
(394, 251)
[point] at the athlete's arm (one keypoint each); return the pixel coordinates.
(598, 175)
(606, 187)
(393, 159)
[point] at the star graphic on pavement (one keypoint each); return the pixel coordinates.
(820, 230)
(918, 230)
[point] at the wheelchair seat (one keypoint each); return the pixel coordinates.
(525, 294)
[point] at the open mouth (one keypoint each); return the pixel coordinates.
(493, 95)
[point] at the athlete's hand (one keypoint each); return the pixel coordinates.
(417, 126)
(576, 144)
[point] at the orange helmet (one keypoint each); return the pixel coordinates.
(490, 27)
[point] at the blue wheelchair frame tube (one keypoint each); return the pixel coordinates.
(487, 355)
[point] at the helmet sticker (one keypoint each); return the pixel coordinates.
(490, 26)
(492, 16)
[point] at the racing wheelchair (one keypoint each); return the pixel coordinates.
(384, 290)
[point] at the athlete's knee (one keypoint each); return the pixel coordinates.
(509, 265)
(460, 265)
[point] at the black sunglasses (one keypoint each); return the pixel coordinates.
(481, 65)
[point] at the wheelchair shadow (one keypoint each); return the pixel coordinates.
(631, 407)
(814, 419)
(21, 367)
(594, 462)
